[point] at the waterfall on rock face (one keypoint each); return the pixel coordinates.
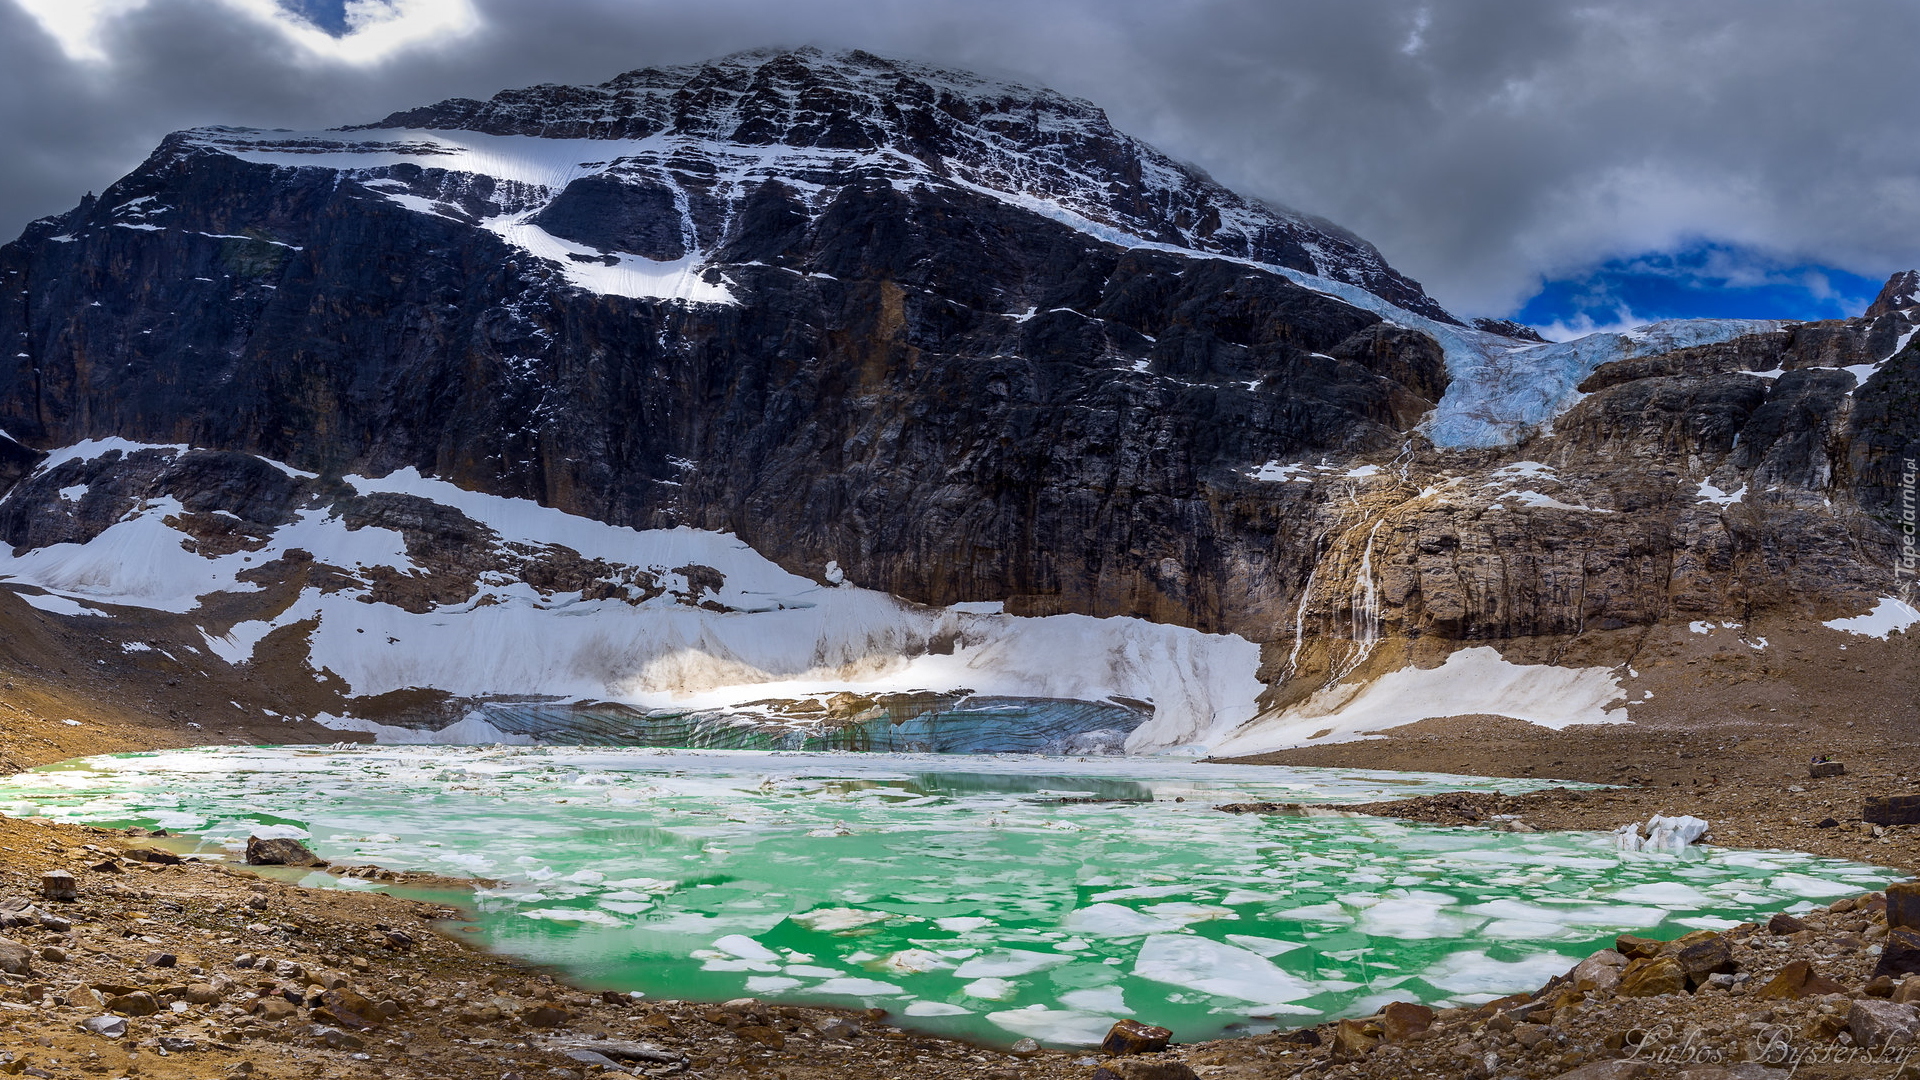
(1300, 624)
(1365, 608)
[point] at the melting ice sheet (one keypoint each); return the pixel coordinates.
(984, 896)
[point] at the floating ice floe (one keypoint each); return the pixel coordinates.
(950, 900)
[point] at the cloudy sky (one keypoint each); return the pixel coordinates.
(1573, 164)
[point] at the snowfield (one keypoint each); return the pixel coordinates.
(775, 635)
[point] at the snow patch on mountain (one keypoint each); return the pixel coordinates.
(1471, 681)
(1889, 616)
(763, 633)
(1501, 390)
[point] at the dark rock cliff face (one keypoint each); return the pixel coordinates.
(952, 396)
(902, 368)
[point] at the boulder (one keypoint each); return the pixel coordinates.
(1900, 953)
(1134, 1037)
(1820, 770)
(544, 1016)
(1705, 958)
(1908, 992)
(1635, 947)
(15, 958)
(1653, 978)
(59, 885)
(274, 1008)
(1401, 1020)
(1795, 981)
(138, 1003)
(836, 1027)
(280, 851)
(1354, 1039)
(160, 856)
(1903, 905)
(1530, 1036)
(335, 1038)
(17, 911)
(107, 1027)
(1891, 810)
(1783, 924)
(760, 1035)
(1024, 1048)
(348, 1009)
(1144, 1068)
(1876, 1024)
(1601, 971)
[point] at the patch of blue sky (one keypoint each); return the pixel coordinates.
(1704, 281)
(327, 15)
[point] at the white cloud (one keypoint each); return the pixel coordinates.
(377, 29)
(77, 24)
(1483, 145)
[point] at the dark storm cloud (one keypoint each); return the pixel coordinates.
(1482, 144)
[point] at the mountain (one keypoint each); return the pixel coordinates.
(698, 138)
(886, 400)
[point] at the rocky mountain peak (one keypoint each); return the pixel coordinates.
(876, 118)
(1902, 291)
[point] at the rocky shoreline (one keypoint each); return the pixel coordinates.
(163, 967)
(220, 972)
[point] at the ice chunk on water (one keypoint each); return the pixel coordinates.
(961, 924)
(1666, 894)
(913, 962)
(1100, 999)
(745, 948)
(770, 984)
(1009, 962)
(578, 915)
(935, 1008)
(1600, 916)
(1523, 930)
(1320, 913)
(990, 989)
(279, 832)
(1474, 972)
(1709, 922)
(1061, 1027)
(829, 920)
(1189, 912)
(1673, 834)
(1113, 920)
(1802, 885)
(1264, 946)
(1214, 967)
(1141, 892)
(1412, 918)
(858, 988)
